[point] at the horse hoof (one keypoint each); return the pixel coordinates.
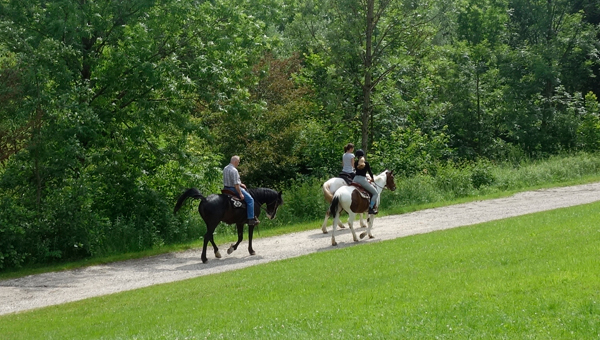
(342, 226)
(230, 250)
(252, 252)
(324, 231)
(204, 260)
(363, 235)
(371, 236)
(217, 254)
(333, 243)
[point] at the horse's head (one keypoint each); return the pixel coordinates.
(390, 183)
(273, 205)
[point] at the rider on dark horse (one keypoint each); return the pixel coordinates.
(362, 168)
(232, 182)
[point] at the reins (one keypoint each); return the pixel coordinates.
(377, 185)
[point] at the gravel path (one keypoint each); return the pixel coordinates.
(42, 290)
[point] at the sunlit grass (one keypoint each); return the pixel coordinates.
(529, 277)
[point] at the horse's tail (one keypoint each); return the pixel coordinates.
(327, 191)
(192, 192)
(334, 206)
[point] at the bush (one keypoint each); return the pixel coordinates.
(304, 201)
(482, 174)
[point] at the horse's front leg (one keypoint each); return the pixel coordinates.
(250, 235)
(362, 221)
(369, 228)
(240, 232)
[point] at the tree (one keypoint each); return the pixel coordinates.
(101, 103)
(365, 41)
(551, 48)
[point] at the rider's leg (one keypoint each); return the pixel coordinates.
(362, 180)
(249, 205)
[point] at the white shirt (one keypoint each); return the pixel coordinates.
(231, 176)
(347, 161)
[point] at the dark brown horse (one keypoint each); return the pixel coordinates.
(220, 208)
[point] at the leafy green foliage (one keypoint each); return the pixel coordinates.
(109, 110)
(103, 122)
(414, 151)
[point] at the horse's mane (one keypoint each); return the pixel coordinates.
(382, 173)
(263, 194)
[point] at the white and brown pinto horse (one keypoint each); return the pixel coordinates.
(349, 198)
(329, 189)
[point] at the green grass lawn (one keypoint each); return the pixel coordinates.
(530, 277)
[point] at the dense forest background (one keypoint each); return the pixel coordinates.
(108, 109)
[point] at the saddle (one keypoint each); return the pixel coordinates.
(363, 192)
(234, 200)
(346, 177)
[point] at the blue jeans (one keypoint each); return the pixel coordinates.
(248, 199)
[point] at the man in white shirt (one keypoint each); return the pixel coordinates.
(231, 181)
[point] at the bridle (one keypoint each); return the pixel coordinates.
(379, 186)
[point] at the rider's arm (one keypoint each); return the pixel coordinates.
(239, 191)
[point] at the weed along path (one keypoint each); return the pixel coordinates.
(42, 290)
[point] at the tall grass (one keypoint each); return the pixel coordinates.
(530, 277)
(446, 183)
(450, 182)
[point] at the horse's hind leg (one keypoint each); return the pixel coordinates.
(240, 231)
(203, 256)
(208, 237)
(216, 249)
(324, 226)
(336, 219)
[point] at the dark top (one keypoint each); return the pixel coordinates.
(363, 171)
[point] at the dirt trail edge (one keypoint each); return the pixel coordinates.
(48, 289)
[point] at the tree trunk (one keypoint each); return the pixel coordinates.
(367, 86)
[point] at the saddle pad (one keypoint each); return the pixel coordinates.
(235, 201)
(364, 194)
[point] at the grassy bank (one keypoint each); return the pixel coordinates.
(530, 277)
